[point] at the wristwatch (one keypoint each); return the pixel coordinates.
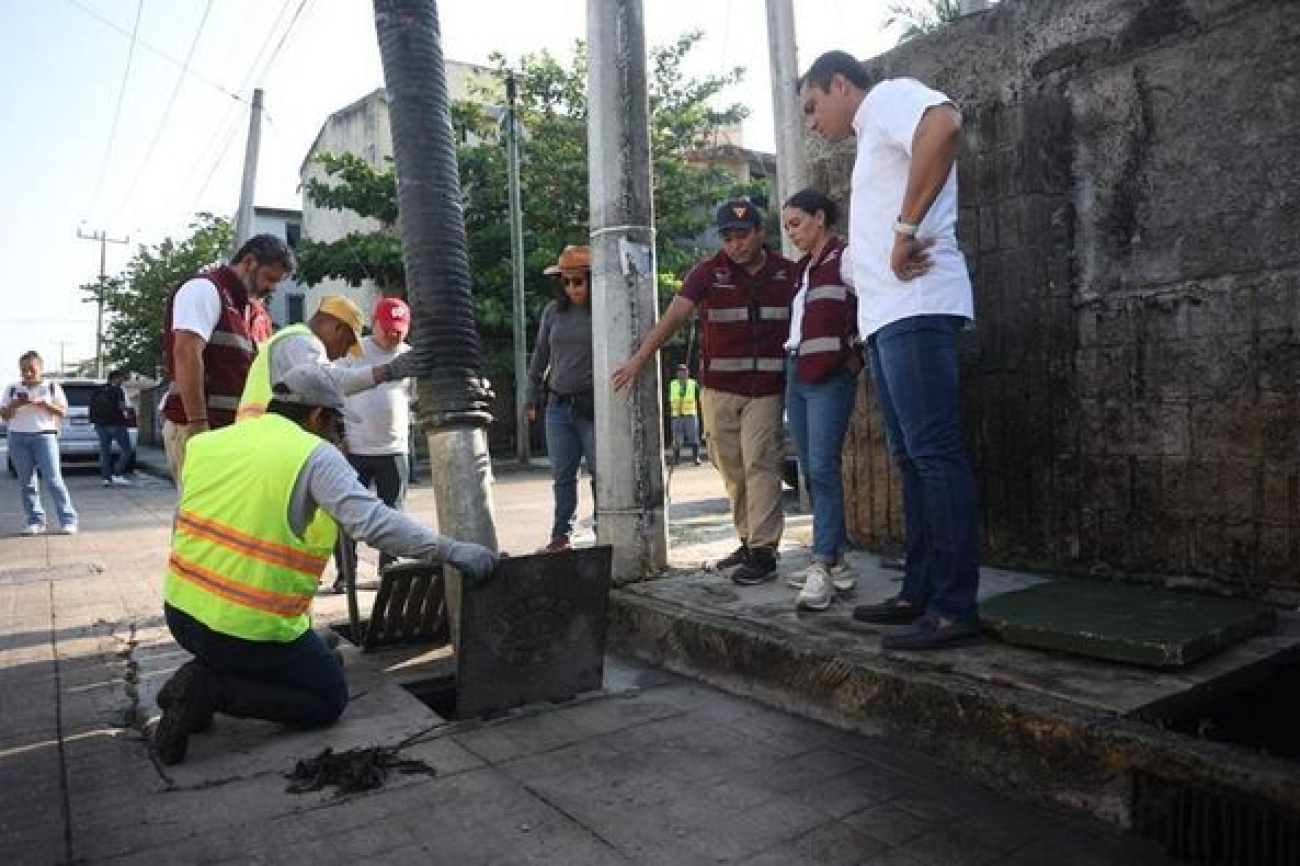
(906, 229)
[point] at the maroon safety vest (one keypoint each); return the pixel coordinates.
(226, 357)
(830, 316)
(746, 319)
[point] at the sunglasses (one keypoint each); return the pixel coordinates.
(574, 281)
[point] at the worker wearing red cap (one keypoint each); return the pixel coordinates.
(378, 419)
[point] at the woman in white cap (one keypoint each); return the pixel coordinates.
(560, 375)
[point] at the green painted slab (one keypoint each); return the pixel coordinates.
(1132, 624)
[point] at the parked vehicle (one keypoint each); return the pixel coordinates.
(78, 441)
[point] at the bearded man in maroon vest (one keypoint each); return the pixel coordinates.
(212, 323)
(743, 294)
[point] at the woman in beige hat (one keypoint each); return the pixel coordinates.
(560, 376)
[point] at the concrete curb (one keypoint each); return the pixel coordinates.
(1026, 744)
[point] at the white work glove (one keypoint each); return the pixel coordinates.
(474, 561)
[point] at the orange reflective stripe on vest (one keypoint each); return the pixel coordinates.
(248, 545)
(236, 592)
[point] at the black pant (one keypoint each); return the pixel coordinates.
(299, 683)
(389, 474)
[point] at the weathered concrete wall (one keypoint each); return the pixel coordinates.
(1131, 215)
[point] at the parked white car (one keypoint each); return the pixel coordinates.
(78, 441)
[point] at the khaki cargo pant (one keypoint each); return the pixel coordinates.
(746, 442)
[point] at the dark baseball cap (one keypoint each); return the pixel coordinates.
(739, 214)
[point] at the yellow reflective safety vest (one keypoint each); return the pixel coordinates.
(257, 388)
(682, 397)
(236, 566)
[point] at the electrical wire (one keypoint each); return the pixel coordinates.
(228, 120)
(117, 112)
(155, 51)
(162, 124)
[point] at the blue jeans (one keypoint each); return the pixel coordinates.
(569, 437)
(914, 365)
(39, 452)
(299, 683)
(107, 436)
(818, 417)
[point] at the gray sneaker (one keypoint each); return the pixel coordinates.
(841, 578)
(817, 592)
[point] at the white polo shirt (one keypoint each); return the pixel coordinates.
(885, 124)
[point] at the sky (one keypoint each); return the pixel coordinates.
(128, 117)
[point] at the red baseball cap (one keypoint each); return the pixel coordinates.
(392, 316)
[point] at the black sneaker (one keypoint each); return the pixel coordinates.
(739, 556)
(191, 698)
(759, 567)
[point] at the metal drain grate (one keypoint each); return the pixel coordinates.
(1206, 826)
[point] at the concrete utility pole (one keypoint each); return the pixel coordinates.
(967, 7)
(787, 113)
(517, 269)
(629, 432)
(244, 216)
(104, 241)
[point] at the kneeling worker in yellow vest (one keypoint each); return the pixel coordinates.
(261, 505)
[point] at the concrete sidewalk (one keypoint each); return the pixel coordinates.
(653, 769)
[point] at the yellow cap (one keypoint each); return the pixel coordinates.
(349, 314)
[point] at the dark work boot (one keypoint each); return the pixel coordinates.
(167, 694)
(738, 556)
(192, 699)
(760, 567)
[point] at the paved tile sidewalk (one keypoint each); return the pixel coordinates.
(656, 770)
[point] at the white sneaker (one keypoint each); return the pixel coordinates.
(119, 481)
(70, 529)
(840, 577)
(817, 592)
(34, 529)
(108, 482)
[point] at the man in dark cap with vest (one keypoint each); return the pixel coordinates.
(261, 506)
(744, 295)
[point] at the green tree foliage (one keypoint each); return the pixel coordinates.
(552, 111)
(134, 300)
(919, 17)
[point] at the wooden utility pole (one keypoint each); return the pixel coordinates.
(629, 431)
(104, 241)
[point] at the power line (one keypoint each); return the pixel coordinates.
(117, 112)
(162, 124)
(283, 37)
(155, 51)
(227, 121)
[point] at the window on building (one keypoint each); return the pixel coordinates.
(292, 234)
(293, 308)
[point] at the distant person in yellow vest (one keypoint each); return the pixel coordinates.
(333, 331)
(261, 506)
(684, 409)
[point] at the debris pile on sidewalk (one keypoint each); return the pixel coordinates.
(351, 771)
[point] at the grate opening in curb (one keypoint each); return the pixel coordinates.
(1258, 709)
(1207, 826)
(436, 693)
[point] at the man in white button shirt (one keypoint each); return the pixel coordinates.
(914, 298)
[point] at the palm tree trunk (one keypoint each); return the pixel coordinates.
(453, 393)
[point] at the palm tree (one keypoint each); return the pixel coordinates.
(454, 396)
(919, 17)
